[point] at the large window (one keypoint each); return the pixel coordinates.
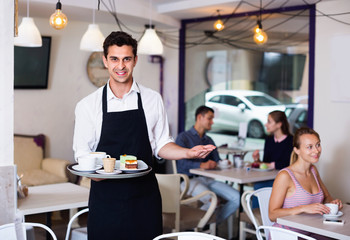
(244, 81)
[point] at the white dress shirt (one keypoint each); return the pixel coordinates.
(88, 118)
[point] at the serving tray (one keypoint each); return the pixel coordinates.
(93, 174)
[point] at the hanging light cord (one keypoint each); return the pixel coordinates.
(27, 8)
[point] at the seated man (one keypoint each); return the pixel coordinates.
(196, 136)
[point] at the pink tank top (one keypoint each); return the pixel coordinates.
(300, 197)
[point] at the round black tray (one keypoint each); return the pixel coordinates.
(93, 174)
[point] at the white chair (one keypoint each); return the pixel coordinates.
(78, 233)
(263, 195)
(181, 214)
(281, 233)
(189, 236)
(17, 231)
(245, 217)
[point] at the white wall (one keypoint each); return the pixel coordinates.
(6, 82)
(51, 111)
(332, 118)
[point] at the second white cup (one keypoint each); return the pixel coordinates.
(99, 156)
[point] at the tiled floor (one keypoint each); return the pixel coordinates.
(59, 226)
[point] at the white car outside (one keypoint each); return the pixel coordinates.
(235, 106)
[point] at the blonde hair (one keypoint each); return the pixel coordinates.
(296, 141)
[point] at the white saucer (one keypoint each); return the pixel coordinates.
(78, 168)
(102, 171)
(332, 216)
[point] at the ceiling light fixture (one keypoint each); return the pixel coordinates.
(219, 25)
(28, 33)
(58, 19)
(260, 37)
(150, 43)
(92, 39)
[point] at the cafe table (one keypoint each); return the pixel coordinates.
(314, 223)
(240, 176)
(53, 197)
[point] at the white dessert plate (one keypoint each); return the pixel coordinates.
(78, 168)
(332, 216)
(262, 170)
(102, 171)
(141, 166)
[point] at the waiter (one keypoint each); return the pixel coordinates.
(124, 117)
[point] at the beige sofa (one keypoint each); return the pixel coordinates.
(33, 166)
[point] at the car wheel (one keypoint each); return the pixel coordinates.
(255, 129)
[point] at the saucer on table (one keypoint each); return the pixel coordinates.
(333, 216)
(78, 168)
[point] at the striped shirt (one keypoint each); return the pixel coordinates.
(301, 197)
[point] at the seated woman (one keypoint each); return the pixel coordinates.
(279, 144)
(299, 188)
(277, 149)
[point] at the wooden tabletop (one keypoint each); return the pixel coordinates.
(237, 175)
(53, 197)
(314, 223)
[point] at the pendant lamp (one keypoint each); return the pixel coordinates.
(150, 43)
(58, 19)
(260, 37)
(28, 33)
(92, 39)
(219, 25)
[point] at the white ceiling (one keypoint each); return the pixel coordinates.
(165, 13)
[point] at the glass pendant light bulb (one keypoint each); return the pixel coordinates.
(257, 29)
(58, 19)
(219, 25)
(260, 37)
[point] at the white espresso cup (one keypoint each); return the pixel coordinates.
(99, 156)
(223, 163)
(87, 162)
(334, 208)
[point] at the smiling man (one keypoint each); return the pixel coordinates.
(124, 117)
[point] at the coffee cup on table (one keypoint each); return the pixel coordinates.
(108, 164)
(333, 208)
(224, 163)
(99, 156)
(87, 162)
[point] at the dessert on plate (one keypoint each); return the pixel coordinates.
(128, 162)
(131, 164)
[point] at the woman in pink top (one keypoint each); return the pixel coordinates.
(299, 188)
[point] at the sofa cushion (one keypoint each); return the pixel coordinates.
(28, 152)
(40, 177)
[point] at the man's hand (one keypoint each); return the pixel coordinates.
(210, 164)
(200, 151)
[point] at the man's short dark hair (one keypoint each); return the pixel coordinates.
(203, 110)
(119, 38)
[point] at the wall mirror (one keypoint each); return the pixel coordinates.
(244, 81)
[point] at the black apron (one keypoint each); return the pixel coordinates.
(128, 208)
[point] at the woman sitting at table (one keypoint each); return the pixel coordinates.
(299, 188)
(277, 149)
(279, 144)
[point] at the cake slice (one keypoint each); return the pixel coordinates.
(124, 158)
(130, 164)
